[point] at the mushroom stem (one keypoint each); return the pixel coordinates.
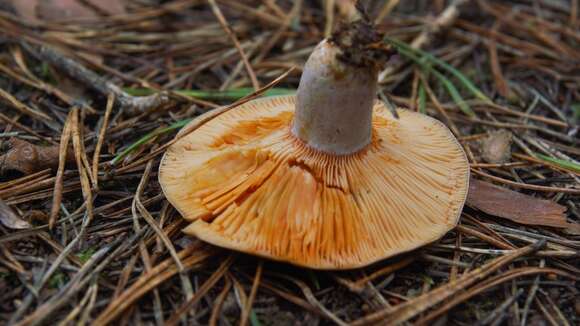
(337, 90)
(334, 103)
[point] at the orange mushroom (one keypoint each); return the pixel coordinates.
(326, 179)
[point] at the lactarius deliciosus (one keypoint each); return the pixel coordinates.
(328, 178)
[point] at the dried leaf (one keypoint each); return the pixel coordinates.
(63, 9)
(10, 219)
(24, 8)
(496, 147)
(53, 10)
(29, 158)
(109, 7)
(517, 207)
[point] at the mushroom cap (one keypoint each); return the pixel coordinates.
(246, 183)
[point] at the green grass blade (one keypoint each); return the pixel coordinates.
(177, 125)
(562, 163)
(415, 58)
(468, 84)
(576, 109)
(422, 99)
(254, 319)
(213, 95)
(86, 254)
(314, 280)
(451, 89)
(454, 94)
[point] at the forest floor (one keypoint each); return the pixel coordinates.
(92, 93)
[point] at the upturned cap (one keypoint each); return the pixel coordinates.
(245, 182)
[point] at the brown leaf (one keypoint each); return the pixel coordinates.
(10, 219)
(53, 10)
(496, 147)
(517, 207)
(29, 158)
(24, 8)
(109, 7)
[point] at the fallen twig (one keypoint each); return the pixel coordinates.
(28, 158)
(73, 69)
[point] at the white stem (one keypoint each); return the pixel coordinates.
(334, 103)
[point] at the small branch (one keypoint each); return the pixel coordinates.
(29, 158)
(90, 79)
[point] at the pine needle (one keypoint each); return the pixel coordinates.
(562, 163)
(212, 95)
(148, 137)
(449, 86)
(428, 57)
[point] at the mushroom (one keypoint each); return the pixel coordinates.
(326, 179)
